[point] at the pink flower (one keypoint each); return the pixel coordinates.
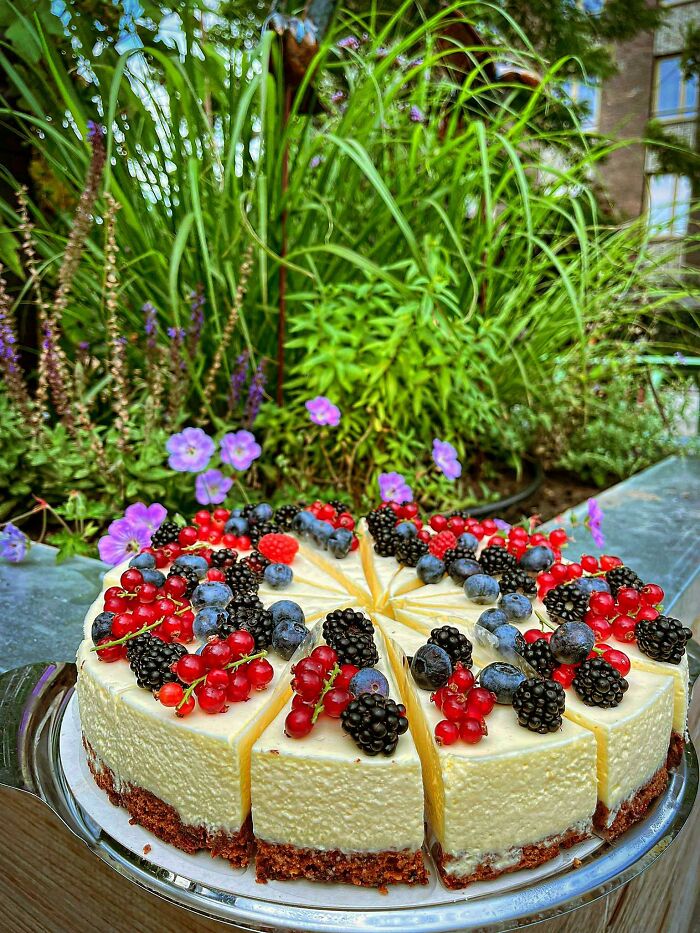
(212, 487)
(322, 411)
(123, 540)
(394, 488)
(239, 449)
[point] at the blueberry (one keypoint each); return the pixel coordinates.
(261, 513)
(430, 569)
(194, 562)
(462, 568)
(501, 679)
(236, 513)
(287, 635)
(516, 606)
(143, 561)
(207, 621)
(285, 609)
(101, 626)
(321, 532)
(590, 585)
(153, 576)
(406, 530)
(278, 576)
(302, 523)
(236, 526)
(369, 680)
(212, 593)
(431, 667)
(468, 540)
(510, 641)
(537, 558)
(339, 542)
(491, 619)
(482, 589)
(572, 642)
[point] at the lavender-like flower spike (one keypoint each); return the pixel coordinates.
(10, 366)
(238, 379)
(197, 302)
(150, 325)
(255, 394)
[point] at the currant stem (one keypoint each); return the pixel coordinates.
(232, 666)
(318, 709)
(127, 637)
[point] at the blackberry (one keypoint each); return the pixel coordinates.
(662, 638)
(410, 550)
(386, 543)
(284, 516)
(241, 578)
(188, 574)
(351, 635)
(258, 622)
(517, 581)
(539, 655)
(623, 576)
(339, 505)
(495, 559)
(380, 520)
(566, 602)
(256, 562)
(223, 558)
(539, 704)
(375, 723)
(247, 600)
(135, 646)
(451, 640)
(153, 663)
(461, 552)
(256, 532)
(166, 534)
(599, 684)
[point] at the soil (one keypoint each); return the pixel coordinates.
(558, 493)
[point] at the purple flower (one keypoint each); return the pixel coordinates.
(594, 521)
(337, 97)
(681, 359)
(190, 450)
(123, 540)
(255, 394)
(501, 524)
(150, 517)
(197, 302)
(322, 411)
(176, 334)
(240, 449)
(94, 129)
(394, 488)
(14, 544)
(238, 378)
(212, 487)
(445, 458)
(416, 115)
(150, 324)
(316, 160)
(349, 42)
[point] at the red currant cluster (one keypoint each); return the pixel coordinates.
(320, 686)
(441, 532)
(143, 607)
(224, 672)
(617, 616)
(564, 673)
(464, 706)
(567, 573)
(326, 512)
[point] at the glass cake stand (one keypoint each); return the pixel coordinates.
(41, 754)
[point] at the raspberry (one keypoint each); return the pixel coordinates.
(441, 542)
(280, 549)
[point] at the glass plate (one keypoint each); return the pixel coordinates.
(40, 753)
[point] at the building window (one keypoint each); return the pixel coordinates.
(669, 205)
(586, 94)
(674, 96)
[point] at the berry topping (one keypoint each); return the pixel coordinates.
(481, 589)
(154, 664)
(663, 638)
(539, 705)
(516, 606)
(619, 577)
(287, 636)
(456, 644)
(351, 634)
(539, 655)
(430, 569)
(431, 667)
(598, 683)
(572, 642)
(441, 542)
(278, 548)
(375, 723)
(369, 680)
(566, 603)
(502, 680)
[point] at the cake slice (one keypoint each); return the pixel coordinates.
(325, 810)
(513, 800)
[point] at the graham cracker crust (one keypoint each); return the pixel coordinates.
(281, 862)
(633, 809)
(675, 750)
(533, 855)
(163, 821)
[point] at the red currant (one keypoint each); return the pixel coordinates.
(185, 708)
(558, 537)
(310, 664)
(176, 586)
(109, 655)
(222, 515)
(326, 513)
(489, 525)
(602, 604)
(148, 593)
(188, 536)
(212, 699)
(326, 655)
(424, 535)
(533, 634)
(228, 540)
(345, 520)
(601, 627)
(618, 659)
(239, 687)
(172, 627)
(170, 694)
(608, 561)
(165, 606)
(145, 614)
(440, 696)
(307, 684)
(471, 731)
(589, 563)
(628, 599)
(478, 531)
(355, 543)
(647, 613)
(462, 678)
(335, 701)
(347, 672)
(299, 722)
(216, 654)
(214, 573)
(202, 517)
(214, 537)
(453, 708)
(190, 667)
(438, 523)
(564, 674)
(559, 572)
(241, 643)
(652, 594)
(409, 510)
(623, 628)
(455, 525)
(446, 732)
(497, 541)
(260, 673)
(482, 700)
(131, 579)
(217, 677)
(574, 571)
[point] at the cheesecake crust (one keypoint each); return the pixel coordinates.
(633, 809)
(675, 750)
(163, 821)
(532, 855)
(281, 862)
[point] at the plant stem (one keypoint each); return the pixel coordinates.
(232, 666)
(318, 709)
